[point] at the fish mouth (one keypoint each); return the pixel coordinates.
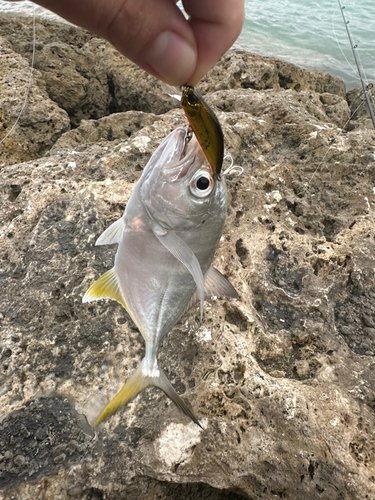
(183, 152)
(187, 139)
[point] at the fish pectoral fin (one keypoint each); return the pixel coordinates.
(185, 255)
(106, 287)
(215, 285)
(112, 234)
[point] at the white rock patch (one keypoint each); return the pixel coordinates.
(141, 143)
(203, 334)
(176, 442)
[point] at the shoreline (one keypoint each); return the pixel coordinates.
(44, 14)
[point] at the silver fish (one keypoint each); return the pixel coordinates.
(167, 238)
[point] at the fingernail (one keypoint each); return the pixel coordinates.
(172, 57)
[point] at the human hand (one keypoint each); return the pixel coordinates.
(156, 36)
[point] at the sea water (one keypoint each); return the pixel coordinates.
(312, 35)
(308, 33)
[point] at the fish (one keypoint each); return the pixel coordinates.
(166, 240)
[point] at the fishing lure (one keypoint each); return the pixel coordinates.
(205, 126)
(203, 123)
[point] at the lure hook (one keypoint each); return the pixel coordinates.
(232, 169)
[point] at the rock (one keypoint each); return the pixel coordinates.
(283, 379)
(360, 114)
(41, 121)
(285, 106)
(109, 128)
(133, 88)
(84, 74)
(239, 69)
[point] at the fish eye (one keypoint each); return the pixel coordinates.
(192, 99)
(202, 184)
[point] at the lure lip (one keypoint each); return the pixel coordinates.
(209, 123)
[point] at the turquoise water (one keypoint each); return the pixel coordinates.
(312, 34)
(308, 33)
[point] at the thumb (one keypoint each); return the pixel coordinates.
(152, 33)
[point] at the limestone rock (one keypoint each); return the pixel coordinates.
(360, 114)
(84, 74)
(109, 128)
(41, 121)
(239, 69)
(287, 107)
(282, 379)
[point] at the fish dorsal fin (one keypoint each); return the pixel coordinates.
(112, 234)
(215, 285)
(106, 287)
(185, 255)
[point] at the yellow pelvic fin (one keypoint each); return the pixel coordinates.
(106, 287)
(133, 386)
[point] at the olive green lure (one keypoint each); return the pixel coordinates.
(205, 126)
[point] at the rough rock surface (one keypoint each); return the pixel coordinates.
(41, 122)
(360, 115)
(283, 379)
(239, 69)
(84, 74)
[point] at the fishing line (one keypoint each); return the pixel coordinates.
(362, 67)
(333, 141)
(353, 70)
(367, 88)
(27, 89)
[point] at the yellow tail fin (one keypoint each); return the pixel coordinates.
(136, 383)
(133, 386)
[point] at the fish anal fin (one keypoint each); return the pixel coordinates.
(215, 285)
(112, 234)
(106, 287)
